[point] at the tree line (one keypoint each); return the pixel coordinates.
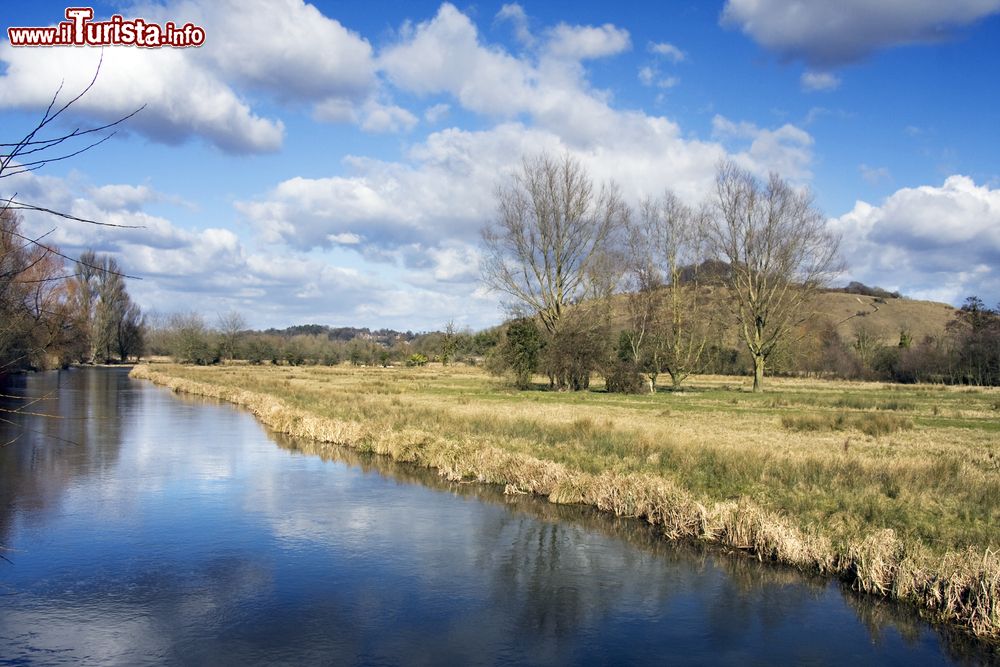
(190, 338)
(55, 311)
(728, 285)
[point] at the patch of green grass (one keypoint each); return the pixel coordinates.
(873, 424)
(867, 403)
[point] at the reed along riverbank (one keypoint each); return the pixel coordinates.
(894, 489)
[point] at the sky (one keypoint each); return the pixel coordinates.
(334, 162)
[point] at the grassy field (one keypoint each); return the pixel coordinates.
(895, 488)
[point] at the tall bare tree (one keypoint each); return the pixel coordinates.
(779, 251)
(548, 249)
(106, 315)
(669, 311)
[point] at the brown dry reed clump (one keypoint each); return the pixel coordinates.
(961, 588)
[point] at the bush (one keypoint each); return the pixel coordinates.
(623, 377)
(416, 359)
(518, 352)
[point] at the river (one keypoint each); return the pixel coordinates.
(143, 527)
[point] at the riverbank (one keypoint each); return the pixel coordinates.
(895, 490)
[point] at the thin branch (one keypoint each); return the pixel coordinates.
(48, 143)
(25, 206)
(24, 167)
(72, 259)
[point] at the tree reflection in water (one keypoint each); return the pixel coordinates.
(74, 429)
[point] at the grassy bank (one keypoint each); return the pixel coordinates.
(895, 489)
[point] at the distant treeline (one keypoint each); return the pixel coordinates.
(188, 338)
(386, 337)
(967, 351)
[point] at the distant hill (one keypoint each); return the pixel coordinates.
(884, 317)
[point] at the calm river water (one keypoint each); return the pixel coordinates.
(142, 527)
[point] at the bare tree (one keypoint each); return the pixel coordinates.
(449, 343)
(107, 318)
(232, 329)
(548, 247)
(779, 251)
(669, 311)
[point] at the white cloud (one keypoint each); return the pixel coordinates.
(213, 270)
(182, 99)
(940, 243)
(786, 150)
(668, 51)
(586, 42)
(828, 34)
(386, 118)
(444, 55)
(443, 192)
(819, 81)
(443, 188)
(130, 197)
(285, 49)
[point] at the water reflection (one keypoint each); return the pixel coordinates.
(175, 531)
(67, 424)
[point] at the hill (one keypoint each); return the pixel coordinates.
(883, 318)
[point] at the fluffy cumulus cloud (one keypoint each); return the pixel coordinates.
(444, 190)
(287, 50)
(786, 150)
(182, 99)
(827, 34)
(585, 42)
(940, 243)
(286, 47)
(213, 270)
(443, 55)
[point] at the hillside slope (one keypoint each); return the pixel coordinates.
(883, 318)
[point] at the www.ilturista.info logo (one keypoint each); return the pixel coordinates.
(80, 30)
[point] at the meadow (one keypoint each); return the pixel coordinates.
(894, 488)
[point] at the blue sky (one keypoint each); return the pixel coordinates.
(334, 162)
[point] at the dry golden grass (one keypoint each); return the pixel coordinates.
(910, 510)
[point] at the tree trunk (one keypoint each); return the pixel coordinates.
(675, 380)
(758, 373)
